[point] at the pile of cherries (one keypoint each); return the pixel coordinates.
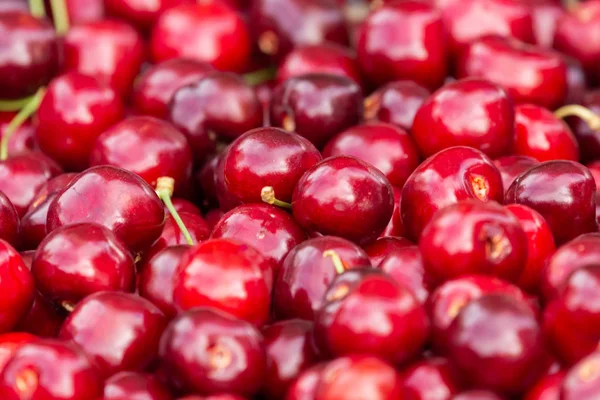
(299, 200)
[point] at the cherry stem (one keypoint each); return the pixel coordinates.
(14, 105)
(267, 194)
(164, 189)
(257, 77)
(60, 15)
(37, 8)
(336, 260)
(27, 111)
(575, 110)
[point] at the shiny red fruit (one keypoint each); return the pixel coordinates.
(305, 386)
(142, 13)
(588, 138)
(10, 343)
(172, 235)
(17, 287)
(547, 388)
(10, 225)
(383, 246)
(135, 386)
(395, 226)
(582, 382)
(23, 139)
(432, 378)
(511, 167)
(405, 266)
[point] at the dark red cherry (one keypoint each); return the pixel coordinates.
(383, 246)
(171, 234)
(307, 272)
(582, 381)
(135, 386)
(183, 205)
(148, 147)
(209, 32)
(316, 106)
(470, 112)
(154, 89)
(396, 102)
(289, 351)
(17, 287)
(117, 331)
(33, 223)
(228, 354)
(588, 138)
(495, 342)
(305, 386)
(28, 53)
(267, 157)
(477, 395)
(206, 177)
(220, 396)
(511, 167)
(403, 40)
(454, 174)
(97, 195)
(141, 13)
(563, 192)
(10, 226)
(225, 198)
(432, 378)
(576, 81)
(228, 275)
(74, 112)
(49, 369)
(10, 343)
(594, 168)
(43, 319)
(395, 227)
(547, 388)
(213, 217)
(53, 186)
(23, 139)
(405, 266)
(386, 147)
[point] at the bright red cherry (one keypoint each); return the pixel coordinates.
(588, 138)
(10, 343)
(97, 195)
(545, 15)
(582, 382)
(547, 388)
(17, 287)
(23, 139)
(82, 11)
(511, 167)
(43, 319)
(405, 266)
(477, 395)
(225, 198)
(454, 174)
(305, 386)
(395, 227)
(141, 13)
(432, 379)
(383, 246)
(172, 235)
(209, 32)
(10, 225)
(183, 205)
(33, 223)
(135, 386)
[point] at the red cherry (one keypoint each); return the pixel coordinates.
(594, 168)
(588, 138)
(221, 396)
(511, 167)
(576, 81)
(10, 226)
(432, 379)
(395, 227)
(53, 186)
(43, 318)
(10, 343)
(226, 199)
(22, 140)
(477, 395)
(17, 287)
(405, 266)
(209, 32)
(183, 205)
(213, 217)
(547, 388)
(383, 246)
(33, 223)
(142, 13)
(582, 382)
(305, 386)
(172, 235)
(545, 15)
(135, 386)
(82, 11)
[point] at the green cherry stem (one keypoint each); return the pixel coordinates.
(37, 8)
(267, 194)
(336, 260)
(164, 189)
(575, 110)
(23, 115)
(14, 105)
(257, 77)
(60, 15)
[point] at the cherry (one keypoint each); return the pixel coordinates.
(209, 351)
(477, 395)
(395, 226)
(385, 146)
(82, 11)
(228, 275)
(576, 81)
(563, 192)
(432, 379)
(206, 177)
(220, 396)
(545, 15)
(225, 198)
(594, 168)
(135, 386)
(53, 186)
(183, 205)
(13, 5)
(305, 386)
(267, 157)
(96, 195)
(148, 147)
(209, 32)
(142, 14)
(28, 53)
(49, 369)
(307, 272)
(316, 106)
(22, 140)
(454, 174)
(43, 318)
(289, 351)
(80, 108)
(582, 380)
(495, 342)
(172, 235)
(405, 266)
(588, 137)
(547, 388)
(16, 287)
(511, 167)
(10, 343)
(383, 246)
(542, 77)
(10, 226)
(213, 217)
(33, 223)
(396, 102)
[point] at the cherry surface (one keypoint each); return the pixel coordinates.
(582, 380)
(395, 226)
(545, 15)
(10, 225)
(432, 378)
(511, 167)
(10, 343)
(172, 235)
(23, 139)
(135, 386)
(405, 266)
(588, 138)
(383, 246)
(33, 223)
(142, 13)
(547, 388)
(183, 205)
(17, 287)
(305, 386)
(477, 395)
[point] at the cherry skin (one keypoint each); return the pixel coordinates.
(29, 54)
(10, 225)
(305, 386)
(469, 112)
(209, 351)
(588, 138)
(432, 378)
(267, 157)
(81, 11)
(594, 168)
(23, 139)
(10, 343)
(563, 192)
(96, 195)
(454, 174)
(385, 146)
(289, 351)
(148, 147)
(53, 186)
(80, 108)
(225, 198)
(576, 81)
(383, 246)
(511, 167)
(395, 227)
(33, 223)
(135, 386)
(403, 41)
(228, 275)
(405, 266)
(547, 388)
(477, 395)
(171, 234)
(545, 15)
(16, 286)
(345, 197)
(220, 396)
(207, 32)
(582, 381)
(316, 106)
(143, 14)
(49, 369)
(183, 205)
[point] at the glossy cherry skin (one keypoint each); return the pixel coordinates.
(208, 32)
(582, 381)
(209, 351)
(563, 192)
(220, 396)
(23, 139)
(594, 168)
(228, 275)
(545, 15)
(305, 386)
(96, 195)
(306, 274)
(49, 369)
(547, 388)
(395, 226)
(11, 342)
(454, 174)
(171, 234)
(135, 386)
(290, 350)
(155, 87)
(316, 106)
(53, 186)
(143, 14)
(388, 148)
(148, 147)
(403, 41)
(10, 225)
(33, 223)
(477, 395)
(117, 331)
(396, 102)
(183, 205)
(267, 157)
(431, 378)
(469, 112)
(17, 287)
(29, 54)
(405, 266)
(589, 139)
(496, 333)
(225, 198)
(80, 108)
(383, 246)
(511, 167)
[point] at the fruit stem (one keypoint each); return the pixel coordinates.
(14, 105)
(37, 8)
(267, 194)
(165, 186)
(27, 111)
(259, 76)
(575, 110)
(60, 15)
(336, 260)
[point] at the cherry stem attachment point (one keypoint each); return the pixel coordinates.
(27, 111)
(267, 194)
(257, 77)
(60, 14)
(575, 110)
(164, 189)
(37, 8)
(336, 260)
